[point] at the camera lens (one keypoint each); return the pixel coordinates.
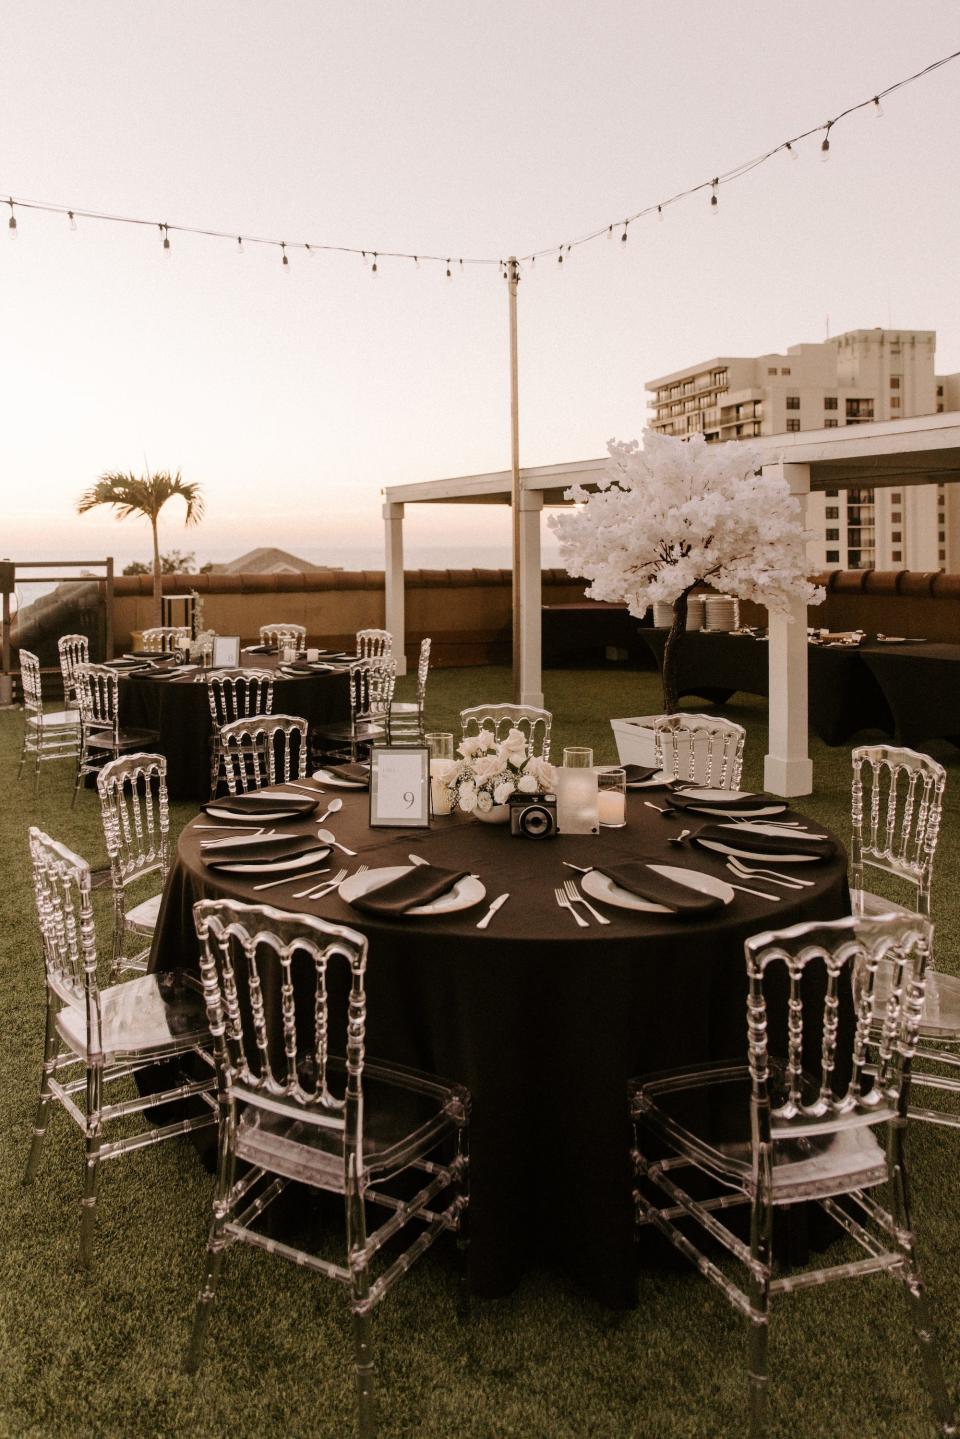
(535, 821)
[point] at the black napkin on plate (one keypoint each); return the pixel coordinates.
(262, 649)
(423, 884)
(245, 806)
(354, 773)
(765, 844)
(268, 851)
(637, 773)
(720, 800)
(636, 876)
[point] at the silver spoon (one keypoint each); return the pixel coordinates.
(332, 808)
(679, 838)
(329, 838)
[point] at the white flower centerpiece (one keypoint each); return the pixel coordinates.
(680, 513)
(490, 771)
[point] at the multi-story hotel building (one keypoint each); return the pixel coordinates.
(850, 379)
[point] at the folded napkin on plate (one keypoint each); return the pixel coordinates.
(296, 669)
(270, 851)
(637, 773)
(720, 800)
(262, 649)
(248, 805)
(787, 842)
(423, 883)
(353, 773)
(636, 876)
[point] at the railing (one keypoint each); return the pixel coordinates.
(9, 570)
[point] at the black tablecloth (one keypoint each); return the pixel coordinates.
(544, 1021)
(843, 696)
(921, 683)
(180, 710)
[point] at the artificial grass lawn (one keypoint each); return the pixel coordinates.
(101, 1354)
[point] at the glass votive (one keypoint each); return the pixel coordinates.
(288, 651)
(612, 798)
(577, 757)
(577, 793)
(440, 750)
(313, 655)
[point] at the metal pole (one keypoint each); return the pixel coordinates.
(513, 280)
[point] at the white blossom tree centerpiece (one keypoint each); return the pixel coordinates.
(680, 513)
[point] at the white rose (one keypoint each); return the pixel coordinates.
(543, 772)
(467, 799)
(503, 791)
(514, 748)
(443, 770)
(486, 768)
(484, 801)
(527, 784)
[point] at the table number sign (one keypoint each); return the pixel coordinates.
(400, 786)
(226, 652)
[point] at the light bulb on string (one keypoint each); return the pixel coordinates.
(660, 212)
(166, 237)
(73, 219)
(12, 222)
(374, 267)
(623, 237)
(825, 144)
(714, 198)
(794, 154)
(609, 232)
(449, 271)
(283, 252)
(560, 256)
(877, 108)
(240, 249)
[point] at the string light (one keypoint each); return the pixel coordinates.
(283, 252)
(374, 267)
(657, 208)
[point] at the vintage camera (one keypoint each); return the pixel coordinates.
(533, 815)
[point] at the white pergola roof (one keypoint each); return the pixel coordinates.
(920, 451)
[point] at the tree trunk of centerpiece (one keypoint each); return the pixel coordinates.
(671, 653)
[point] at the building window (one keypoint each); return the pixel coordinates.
(942, 536)
(771, 369)
(897, 555)
(896, 516)
(829, 402)
(830, 424)
(793, 402)
(833, 557)
(895, 499)
(939, 392)
(859, 410)
(784, 369)
(894, 402)
(894, 382)
(831, 494)
(832, 512)
(941, 555)
(831, 534)
(896, 536)
(793, 425)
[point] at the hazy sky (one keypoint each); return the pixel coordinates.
(293, 394)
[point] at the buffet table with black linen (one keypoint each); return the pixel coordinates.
(843, 694)
(544, 1021)
(921, 682)
(178, 708)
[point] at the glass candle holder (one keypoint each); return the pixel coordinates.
(612, 798)
(440, 749)
(577, 793)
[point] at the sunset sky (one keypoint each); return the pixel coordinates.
(293, 394)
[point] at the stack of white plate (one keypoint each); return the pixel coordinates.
(722, 612)
(663, 614)
(695, 615)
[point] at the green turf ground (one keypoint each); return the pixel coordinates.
(100, 1355)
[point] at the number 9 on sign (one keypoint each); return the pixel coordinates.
(400, 786)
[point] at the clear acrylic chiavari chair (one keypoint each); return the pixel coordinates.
(162, 639)
(700, 749)
(374, 644)
(406, 718)
(263, 750)
(96, 1038)
(233, 695)
(136, 827)
(371, 686)
(47, 735)
(292, 1109)
(535, 723)
(770, 1133)
(101, 737)
(281, 634)
(73, 650)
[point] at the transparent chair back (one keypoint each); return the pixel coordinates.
(281, 634)
(135, 811)
(46, 736)
(161, 639)
(372, 683)
(73, 650)
(406, 718)
(535, 723)
(261, 750)
(98, 694)
(700, 749)
(896, 807)
(235, 694)
(374, 644)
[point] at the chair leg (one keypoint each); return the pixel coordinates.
(119, 933)
(913, 1284)
(463, 1232)
(217, 1241)
(88, 1204)
(761, 1237)
(51, 1047)
(360, 1290)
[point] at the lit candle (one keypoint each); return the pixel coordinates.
(611, 807)
(440, 794)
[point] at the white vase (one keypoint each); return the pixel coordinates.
(498, 815)
(634, 737)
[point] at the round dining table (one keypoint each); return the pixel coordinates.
(178, 708)
(543, 1020)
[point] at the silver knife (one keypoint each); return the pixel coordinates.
(500, 899)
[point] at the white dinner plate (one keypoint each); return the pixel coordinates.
(600, 886)
(661, 777)
(275, 866)
(249, 815)
(465, 892)
(730, 800)
(730, 846)
(322, 776)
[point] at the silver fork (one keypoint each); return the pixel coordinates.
(575, 897)
(791, 881)
(561, 897)
(328, 887)
(334, 879)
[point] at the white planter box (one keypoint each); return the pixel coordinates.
(634, 739)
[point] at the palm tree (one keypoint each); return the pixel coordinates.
(132, 495)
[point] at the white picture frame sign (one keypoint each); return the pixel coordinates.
(226, 652)
(400, 787)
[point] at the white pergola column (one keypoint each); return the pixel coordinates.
(787, 767)
(394, 619)
(531, 598)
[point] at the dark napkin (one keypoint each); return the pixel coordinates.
(248, 805)
(425, 882)
(636, 773)
(636, 876)
(355, 773)
(262, 649)
(720, 802)
(268, 852)
(785, 843)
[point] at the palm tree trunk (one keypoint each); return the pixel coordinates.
(157, 583)
(671, 654)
